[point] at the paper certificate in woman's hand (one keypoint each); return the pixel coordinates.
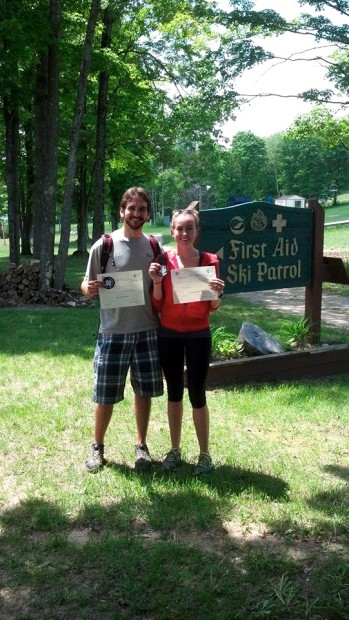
(121, 289)
(191, 284)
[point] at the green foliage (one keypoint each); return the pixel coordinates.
(295, 333)
(303, 167)
(314, 152)
(172, 71)
(250, 172)
(321, 122)
(338, 71)
(225, 345)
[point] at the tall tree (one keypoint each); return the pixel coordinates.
(10, 105)
(27, 184)
(46, 144)
(321, 141)
(74, 143)
(25, 33)
(171, 68)
(273, 145)
(11, 120)
(82, 202)
(250, 172)
(102, 106)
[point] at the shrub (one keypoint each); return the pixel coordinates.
(295, 334)
(225, 345)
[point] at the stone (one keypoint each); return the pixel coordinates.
(257, 342)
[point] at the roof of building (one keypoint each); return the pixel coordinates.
(292, 197)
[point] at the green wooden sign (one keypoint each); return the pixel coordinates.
(261, 246)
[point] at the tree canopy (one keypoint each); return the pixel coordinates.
(98, 95)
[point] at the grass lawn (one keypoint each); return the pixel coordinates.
(340, 212)
(265, 536)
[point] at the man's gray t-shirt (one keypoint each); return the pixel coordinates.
(128, 255)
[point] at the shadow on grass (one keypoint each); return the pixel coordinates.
(332, 520)
(54, 567)
(338, 470)
(335, 502)
(225, 479)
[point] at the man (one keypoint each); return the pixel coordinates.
(127, 337)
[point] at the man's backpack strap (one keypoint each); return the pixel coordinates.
(155, 246)
(107, 250)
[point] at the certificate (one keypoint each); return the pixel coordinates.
(191, 284)
(121, 289)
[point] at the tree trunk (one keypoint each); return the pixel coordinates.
(115, 220)
(11, 119)
(82, 205)
(11, 123)
(27, 201)
(102, 108)
(40, 131)
(46, 151)
(73, 147)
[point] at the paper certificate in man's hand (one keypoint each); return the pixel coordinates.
(191, 284)
(121, 289)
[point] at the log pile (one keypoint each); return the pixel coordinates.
(19, 285)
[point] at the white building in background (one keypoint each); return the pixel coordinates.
(290, 201)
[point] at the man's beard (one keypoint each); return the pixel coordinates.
(134, 224)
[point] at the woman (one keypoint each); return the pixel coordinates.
(185, 337)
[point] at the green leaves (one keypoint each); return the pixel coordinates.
(295, 333)
(225, 345)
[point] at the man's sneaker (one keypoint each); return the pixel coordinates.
(172, 460)
(204, 465)
(96, 459)
(143, 459)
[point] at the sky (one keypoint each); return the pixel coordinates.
(269, 115)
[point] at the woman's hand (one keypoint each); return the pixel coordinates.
(154, 272)
(217, 285)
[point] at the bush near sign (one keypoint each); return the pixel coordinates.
(261, 246)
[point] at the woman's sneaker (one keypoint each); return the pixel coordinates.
(143, 458)
(172, 460)
(204, 465)
(96, 460)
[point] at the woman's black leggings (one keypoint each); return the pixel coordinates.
(195, 352)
